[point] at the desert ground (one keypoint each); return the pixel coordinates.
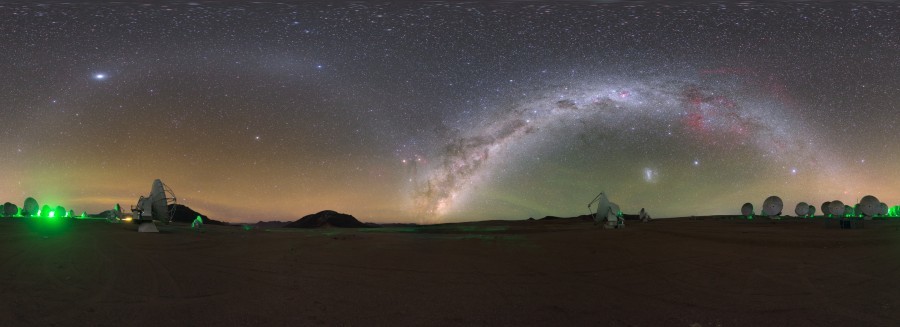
(712, 271)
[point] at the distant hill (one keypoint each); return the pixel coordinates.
(184, 214)
(327, 218)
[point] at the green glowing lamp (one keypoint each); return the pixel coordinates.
(894, 211)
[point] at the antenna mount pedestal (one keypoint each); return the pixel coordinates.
(147, 227)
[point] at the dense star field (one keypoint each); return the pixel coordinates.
(431, 112)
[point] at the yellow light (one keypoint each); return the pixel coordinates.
(127, 219)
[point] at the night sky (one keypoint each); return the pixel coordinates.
(437, 112)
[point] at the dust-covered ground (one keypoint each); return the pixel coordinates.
(713, 271)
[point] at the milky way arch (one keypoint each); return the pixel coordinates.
(720, 116)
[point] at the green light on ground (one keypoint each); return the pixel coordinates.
(51, 214)
(84, 214)
(894, 211)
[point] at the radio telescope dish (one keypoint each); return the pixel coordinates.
(30, 207)
(747, 209)
(161, 197)
(869, 206)
(154, 207)
(884, 209)
(826, 211)
(802, 209)
(836, 208)
(607, 212)
(10, 209)
(772, 206)
(812, 211)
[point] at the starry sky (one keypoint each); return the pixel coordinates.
(449, 111)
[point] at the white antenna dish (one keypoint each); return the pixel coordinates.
(772, 206)
(802, 209)
(869, 206)
(836, 208)
(161, 196)
(614, 208)
(606, 212)
(747, 209)
(154, 207)
(826, 208)
(644, 216)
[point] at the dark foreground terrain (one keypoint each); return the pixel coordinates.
(676, 272)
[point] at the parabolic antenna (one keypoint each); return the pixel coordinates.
(825, 208)
(10, 209)
(154, 207)
(602, 207)
(870, 206)
(747, 209)
(613, 218)
(884, 209)
(31, 206)
(161, 197)
(614, 208)
(772, 206)
(812, 211)
(836, 208)
(607, 212)
(802, 209)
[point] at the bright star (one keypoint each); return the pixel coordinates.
(100, 76)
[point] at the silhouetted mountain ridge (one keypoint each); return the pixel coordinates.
(327, 218)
